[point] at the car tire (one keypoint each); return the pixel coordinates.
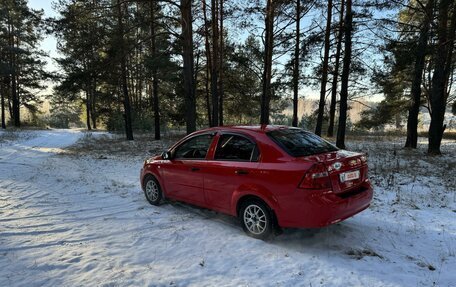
(256, 219)
(152, 190)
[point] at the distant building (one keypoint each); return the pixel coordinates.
(307, 107)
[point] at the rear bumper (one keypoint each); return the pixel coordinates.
(313, 209)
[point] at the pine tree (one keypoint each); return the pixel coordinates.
(22, 64)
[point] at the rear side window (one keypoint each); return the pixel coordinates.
(297, 142)
(236, 148)
(194, 148)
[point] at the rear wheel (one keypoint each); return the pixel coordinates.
(256, 219)
(152, 190)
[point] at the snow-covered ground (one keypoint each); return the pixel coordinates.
(74, 215)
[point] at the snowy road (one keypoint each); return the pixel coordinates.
(79, 220)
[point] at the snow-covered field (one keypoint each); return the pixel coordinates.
(74, 215)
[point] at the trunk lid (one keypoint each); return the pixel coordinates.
(346, 170)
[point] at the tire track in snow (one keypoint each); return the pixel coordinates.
(49, 221)
(20, 198)
(23, 195)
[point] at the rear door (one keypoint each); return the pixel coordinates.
(234, 166)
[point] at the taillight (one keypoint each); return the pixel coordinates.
(317, 177)
(363, 159)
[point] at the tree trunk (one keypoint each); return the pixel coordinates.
(14, 94)
(195, 73)
(93, 88)
(412, 120)
(215, 63)
(156, 104)
(154, 72)
(208, 100)
(267, 70)
(438, 89)
(88, 108)
(221, 91)
(92, 103)
(296, 65)
(451, 43)
(208, 62)
(324, 77)
(123, 71)
(16, 103)
(188, 67)
(2, 91)
(8, 104)
(340, 141)
(332, 106)
(8, 79)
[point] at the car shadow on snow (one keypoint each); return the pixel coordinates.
(206, 214)
(362, 236)
(289, 237)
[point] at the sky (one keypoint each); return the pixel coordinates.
(49, 42)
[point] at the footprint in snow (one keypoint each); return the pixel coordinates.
(358, 254)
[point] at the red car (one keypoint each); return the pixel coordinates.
(268, 176)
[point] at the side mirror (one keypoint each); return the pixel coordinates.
(166, 155)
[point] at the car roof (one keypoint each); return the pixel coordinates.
(254, 128)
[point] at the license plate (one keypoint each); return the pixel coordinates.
(347, 176)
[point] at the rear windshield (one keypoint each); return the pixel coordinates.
(297, 142)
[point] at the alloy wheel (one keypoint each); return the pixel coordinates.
(255, 219)
(152, 190)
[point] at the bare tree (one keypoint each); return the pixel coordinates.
(340, 141)
(443, 57)
(215, 63)
(267, 70)
(156, 103)
(412, 121)
(296, 65)
(332, 106)
(123, 71)
(208, 61)
(324, 77)
(188, 68)
(221, 91)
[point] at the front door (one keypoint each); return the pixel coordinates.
(183, 176)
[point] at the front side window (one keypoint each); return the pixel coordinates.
(194, 148)
(297, 142)
(236, 148)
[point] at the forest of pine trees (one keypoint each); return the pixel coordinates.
(153, 64)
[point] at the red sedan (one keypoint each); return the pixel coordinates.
(268, 176)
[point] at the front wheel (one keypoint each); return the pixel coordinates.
(256, 219)
(152, 190)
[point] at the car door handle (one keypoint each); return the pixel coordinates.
(240, 171)
(194, 168)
